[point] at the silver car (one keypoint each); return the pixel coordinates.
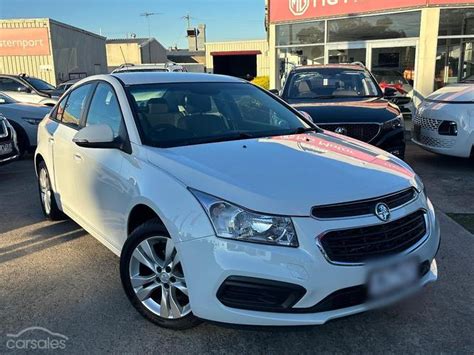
(24, 118)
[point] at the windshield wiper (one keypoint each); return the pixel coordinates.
(301, 130)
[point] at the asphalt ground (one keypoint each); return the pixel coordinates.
(56, 276)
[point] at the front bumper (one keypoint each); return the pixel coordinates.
(461, 145)
(392, 141)
(208, 262)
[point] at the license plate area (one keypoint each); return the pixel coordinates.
(391, 279)
(6, 148)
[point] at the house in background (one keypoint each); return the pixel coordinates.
(134, 51)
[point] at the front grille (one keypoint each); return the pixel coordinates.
(426, 123)
(363, 207)
(365, 132)
(364, 243)
(437, 142)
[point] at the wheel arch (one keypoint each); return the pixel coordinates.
(139, 214)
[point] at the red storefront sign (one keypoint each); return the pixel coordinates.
(24, 41)
(287, 10)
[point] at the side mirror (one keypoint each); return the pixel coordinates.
(23, 89)
(274, 92)
(307, 116)
(97, 136)
(389, 92)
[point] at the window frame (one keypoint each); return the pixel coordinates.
(123, 131)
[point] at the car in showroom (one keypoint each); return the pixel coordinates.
(226, 204)
(403, 96)
(444, 122)
(346, 99)
(8, 147)
(24, 118)
(28, 89)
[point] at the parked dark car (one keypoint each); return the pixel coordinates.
(346, 99)
(8, 146)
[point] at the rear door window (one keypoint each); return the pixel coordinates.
(75, 105)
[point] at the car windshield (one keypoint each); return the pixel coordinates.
(332, 82)
(39, 84)
(177, 114)
(390, 77)
(4, 99)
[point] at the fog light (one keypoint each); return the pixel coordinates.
(448, 128)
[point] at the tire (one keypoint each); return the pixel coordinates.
(50, 209)
(22, 140)
(153, 278)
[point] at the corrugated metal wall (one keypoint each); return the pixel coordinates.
(76, 51)
(263, 62)
(40, 66)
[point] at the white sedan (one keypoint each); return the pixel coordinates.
(226, 204)
(444, 122)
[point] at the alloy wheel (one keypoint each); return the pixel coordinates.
(45, 190)
(157, 278)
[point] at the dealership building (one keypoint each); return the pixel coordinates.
(50, 50)
(429, 42)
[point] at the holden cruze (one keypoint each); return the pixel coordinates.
(226, 204)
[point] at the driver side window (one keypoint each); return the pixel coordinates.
(104, 109)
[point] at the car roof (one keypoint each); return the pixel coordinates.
(321, 66)
(131, 78)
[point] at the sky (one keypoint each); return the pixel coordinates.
(225, 19)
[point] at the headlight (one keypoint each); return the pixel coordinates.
(234, 222)
(396, 122)
(33, 121)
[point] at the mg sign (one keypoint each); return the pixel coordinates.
(298, 7)
(287, 10)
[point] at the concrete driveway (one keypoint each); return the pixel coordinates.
(56, 276)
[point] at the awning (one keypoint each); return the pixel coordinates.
(220, 54)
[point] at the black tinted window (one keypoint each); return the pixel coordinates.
(7, 84)
(104, 109)
(75, 105)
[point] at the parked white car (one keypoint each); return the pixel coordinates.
(226, 204)
(28, 89)
(24, 118)
(444, 122)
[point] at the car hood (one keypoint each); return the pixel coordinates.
(286, 175)
(20, 109)
(453, 93)
(348, 110)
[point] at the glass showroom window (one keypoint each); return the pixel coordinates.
(296, 56)
(300, 33)
(401, 25)
(454, 61)
(456, 22)
(454, 57)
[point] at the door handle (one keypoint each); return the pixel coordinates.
(51, 140)
(77, 157)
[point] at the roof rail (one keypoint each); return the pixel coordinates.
(360, 64)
